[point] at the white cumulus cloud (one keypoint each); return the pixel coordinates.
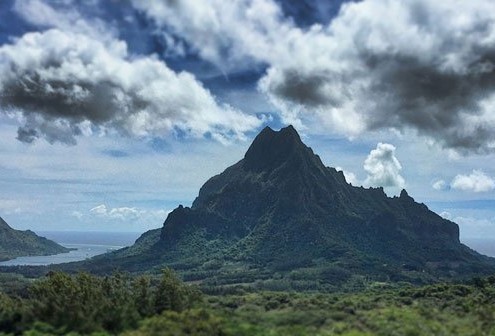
(230, 34)
(128, 213)
(76, 77)
(79, 215)
(439, 185)
(116, 213)
(383, 167)
(99, 210)
(446, 215)
(62, 15)
(477, 181)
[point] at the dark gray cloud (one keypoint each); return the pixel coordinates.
(417, 65)
(64, 84)
(308, 90)
(414, 94)
(72, 97)
(51, 130)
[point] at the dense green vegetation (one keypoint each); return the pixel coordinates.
(60, 303)
(16, 243)
(83, 304)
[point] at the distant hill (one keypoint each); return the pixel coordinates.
(15, 243)
(279, 217)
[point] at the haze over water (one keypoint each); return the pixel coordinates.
(86, 245)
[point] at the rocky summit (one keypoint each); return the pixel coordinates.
(280, 215)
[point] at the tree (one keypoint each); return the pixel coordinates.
(172, 294)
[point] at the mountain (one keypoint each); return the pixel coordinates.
(15, 243)
(280, 215)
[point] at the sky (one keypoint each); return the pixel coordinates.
(112, 113)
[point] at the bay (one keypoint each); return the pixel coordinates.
(85, 245)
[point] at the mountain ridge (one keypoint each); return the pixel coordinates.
(280, 215)
(16, 243)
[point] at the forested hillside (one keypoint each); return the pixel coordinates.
(82, 304)
(16, 243)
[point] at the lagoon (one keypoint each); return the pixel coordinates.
(85, 245)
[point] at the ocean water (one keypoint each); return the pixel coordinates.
(86, 245)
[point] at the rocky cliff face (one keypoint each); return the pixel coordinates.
(283, 199)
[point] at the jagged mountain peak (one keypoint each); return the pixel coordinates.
(405, 197)
(277, 165)
(271, 148)
(404, 194)
(280, 208)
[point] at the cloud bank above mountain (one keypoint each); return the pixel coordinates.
(414, 65)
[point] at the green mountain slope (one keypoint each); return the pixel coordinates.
(279, 213)
(15, 243)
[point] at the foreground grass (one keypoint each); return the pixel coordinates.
(135, 307)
